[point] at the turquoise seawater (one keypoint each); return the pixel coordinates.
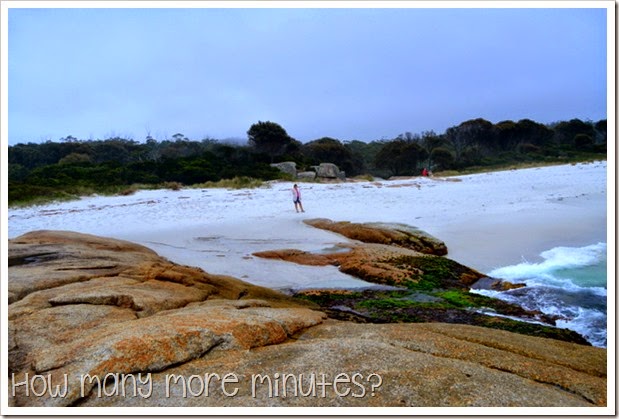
(569, 282)
(586, 276)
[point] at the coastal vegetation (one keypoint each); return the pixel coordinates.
(72, 167)
(439, 305)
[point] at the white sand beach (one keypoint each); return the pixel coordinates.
(487, 220)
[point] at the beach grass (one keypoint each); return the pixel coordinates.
(237, 182)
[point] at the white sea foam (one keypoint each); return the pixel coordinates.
(554, 259)
(589, 323)
(553, 287)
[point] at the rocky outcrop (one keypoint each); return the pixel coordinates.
(329, 171)
(125, 327)
(288, 167)
(324, 171)
(428, 288)
(395, 234)
(384, 264)
(399, 365)
(306, 175)
(496, 285)
(81, 304)
(47, 260)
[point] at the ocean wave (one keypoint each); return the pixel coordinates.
(563, 267)
(591, 324)
(570, 283)
(554, 259)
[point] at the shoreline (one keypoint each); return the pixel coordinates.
(497, 242)
(486, 220)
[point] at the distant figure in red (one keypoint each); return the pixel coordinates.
(424, 172)
(296, 198)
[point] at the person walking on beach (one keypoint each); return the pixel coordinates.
(296, 198)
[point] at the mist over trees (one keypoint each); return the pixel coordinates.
(71, 165)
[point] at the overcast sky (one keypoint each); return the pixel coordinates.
(352, 73)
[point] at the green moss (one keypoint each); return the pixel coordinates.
(430, 272)
(460, 298)
(444, 299)
(532, 329)
(437, 305)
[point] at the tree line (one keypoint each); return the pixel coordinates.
(71, 165)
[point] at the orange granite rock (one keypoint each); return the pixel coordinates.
(83, 306)
(395, 234)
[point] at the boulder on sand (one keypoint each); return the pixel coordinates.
(329, 171)
(288, 167)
